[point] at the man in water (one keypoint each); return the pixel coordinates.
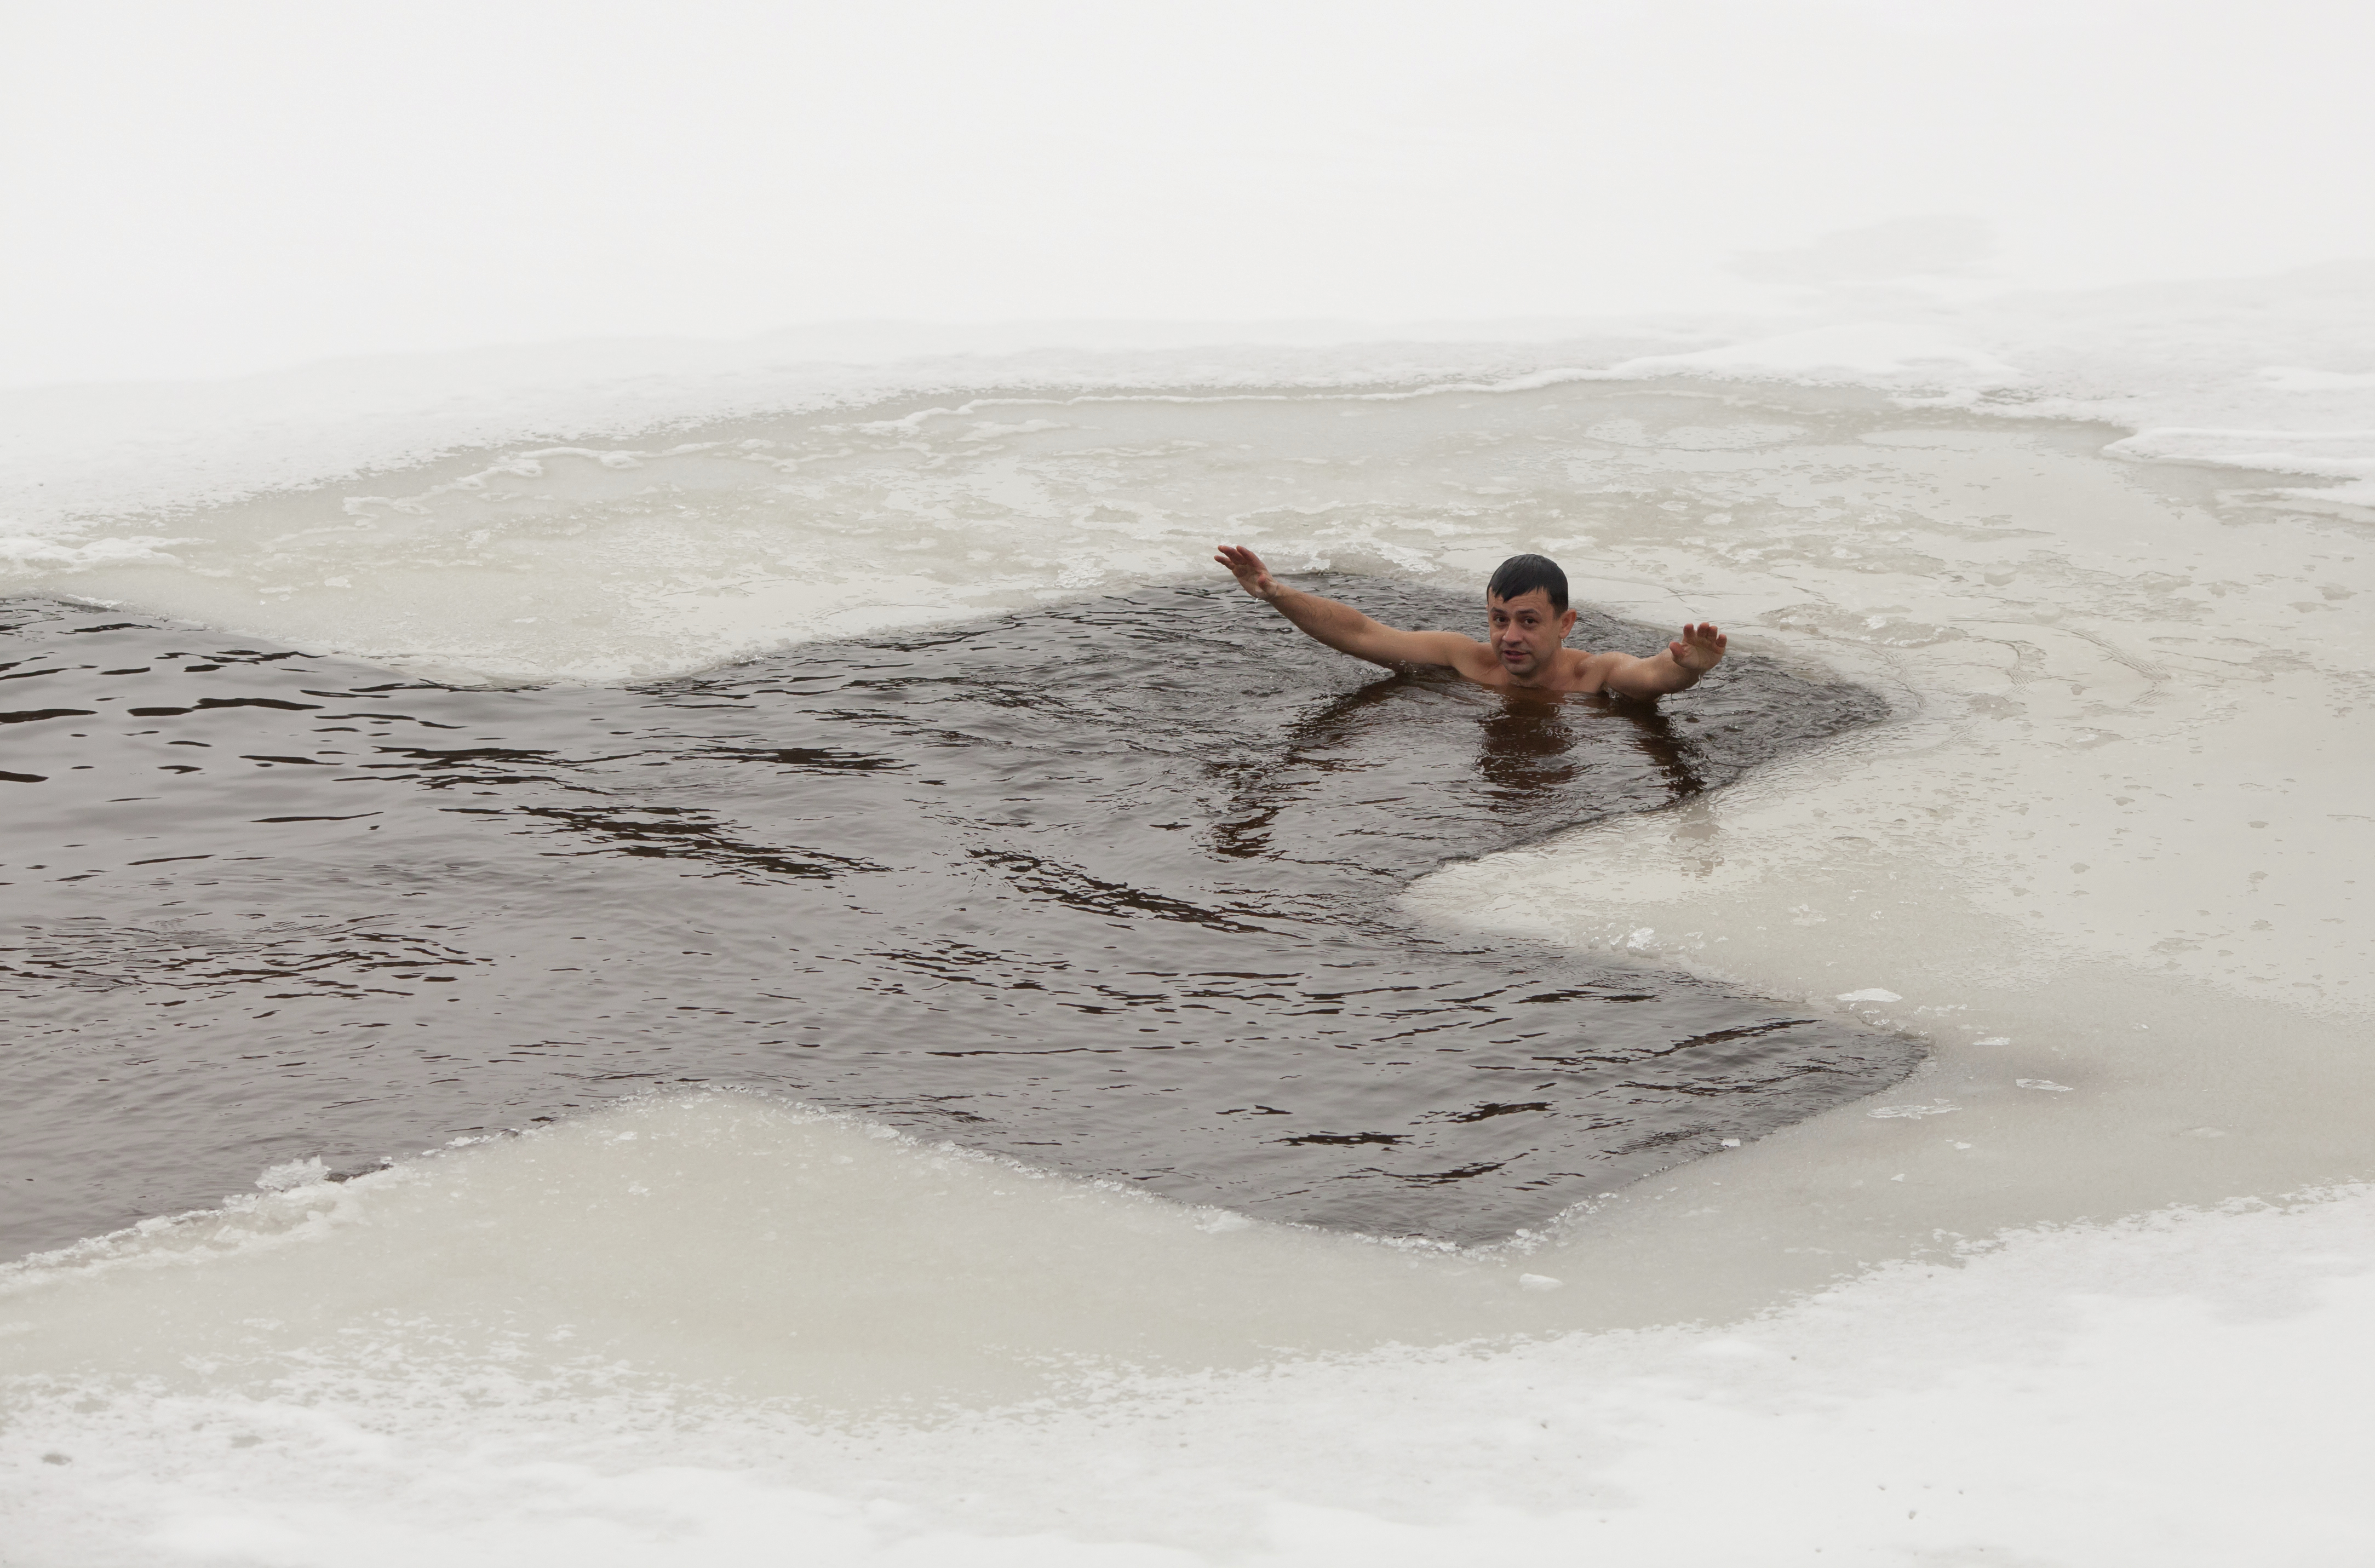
(1526, 603)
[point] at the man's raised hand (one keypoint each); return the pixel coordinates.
(1251, 574)
(1700, 650)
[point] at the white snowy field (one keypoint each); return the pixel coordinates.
(2018, 361)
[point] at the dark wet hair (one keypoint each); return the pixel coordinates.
(1522, 574)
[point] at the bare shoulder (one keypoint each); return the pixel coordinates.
(1466, 655)
(1589, 672)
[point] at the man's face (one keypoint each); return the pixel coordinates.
(1526, 632)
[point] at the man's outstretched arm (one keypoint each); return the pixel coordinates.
(1341, 626)
(1697, 650)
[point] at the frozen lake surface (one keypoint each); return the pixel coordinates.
(2094, 846)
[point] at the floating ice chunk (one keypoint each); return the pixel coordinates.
(1539, 1282)
(2292, 378)
(292, 1174)
(1870, 994)
(2043, 1083)
(2346, 454)
(1731, 1143)
(1850, 351)
(608, 459)
(1994, 1040)
(990, 430)
(1911, 1110)
(61, 556)
(1537, 380)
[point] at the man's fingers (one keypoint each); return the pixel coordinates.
(1246, 567)
(1701, 646)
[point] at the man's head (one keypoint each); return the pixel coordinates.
(1526, 603)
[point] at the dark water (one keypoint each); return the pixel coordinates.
(1108, 888)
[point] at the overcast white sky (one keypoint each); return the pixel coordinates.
(222, 187)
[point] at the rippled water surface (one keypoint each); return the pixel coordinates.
(1109, 888)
